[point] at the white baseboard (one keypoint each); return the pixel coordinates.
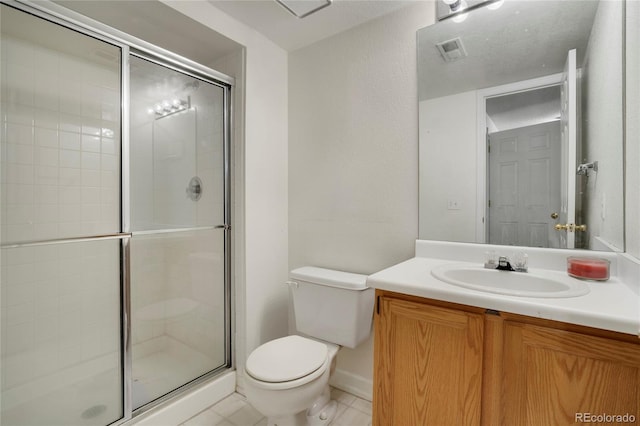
(181, 410)
(355, 385)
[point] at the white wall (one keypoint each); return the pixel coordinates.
(632, 214)
(603, 130)
(448, 169)
(262, 184)
(353, 170)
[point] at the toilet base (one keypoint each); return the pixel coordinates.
(325, 416)
(321, 413)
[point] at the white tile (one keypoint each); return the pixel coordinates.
(18, 154)
(46, 194)
(229, 405)
(90, 143)
(46, 157)
(45, 231)
(90, 177)
(70, 123)
(19, 173)
(21, 274)
(19, 134)
(110, 162)
(46, 213)
(18, 232)
(46, 95)
(17, 370)
(18, 314)
(70, 159)
(90, 160)
(46, 305)
(246, 415)
(19, 52)
(70, 177)
(352, 417)
(342, 397)
(19, 194)
(46, 328)
(19, 214)
(90, 212)
(46, 175)
(69, 140)
(362, 405)
(206, 418)
(69, 355)
(46, 137)
(46, 118)
(19, 337)
(70, 195)
(19, 294)
(91, 128)
(108, 146)
(91, 195)
(70, 213)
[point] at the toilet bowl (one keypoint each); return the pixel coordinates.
(289, 376)
(287, 379)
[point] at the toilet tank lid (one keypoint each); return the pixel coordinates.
(330, 277)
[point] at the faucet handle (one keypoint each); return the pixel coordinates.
(520, 262)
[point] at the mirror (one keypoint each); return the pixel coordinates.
(521, 125)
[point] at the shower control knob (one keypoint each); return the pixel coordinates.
(194, 189)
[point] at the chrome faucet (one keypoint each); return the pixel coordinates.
(518, 264)
(504, 265)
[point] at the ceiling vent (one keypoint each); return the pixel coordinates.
(452, 50)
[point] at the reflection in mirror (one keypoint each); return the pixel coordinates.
(521, 126)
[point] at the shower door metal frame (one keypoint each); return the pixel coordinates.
(225, 226)
(130, 45)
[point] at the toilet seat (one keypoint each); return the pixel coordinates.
(287, 362)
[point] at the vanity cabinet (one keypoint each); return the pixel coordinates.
(438, 363)
(558, 377)
(428, 364)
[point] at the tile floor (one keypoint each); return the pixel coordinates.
(236, 411)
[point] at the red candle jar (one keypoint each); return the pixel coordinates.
(588, 268)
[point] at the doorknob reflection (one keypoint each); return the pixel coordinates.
(570, 227)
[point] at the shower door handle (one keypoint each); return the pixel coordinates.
(225, 227)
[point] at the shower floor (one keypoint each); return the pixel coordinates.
(91, 401)
(164, 364)
(161, 366)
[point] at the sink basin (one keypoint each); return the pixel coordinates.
(524, 284)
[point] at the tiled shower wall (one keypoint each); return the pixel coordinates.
(60, 164)
(183, 267)
(60, 144)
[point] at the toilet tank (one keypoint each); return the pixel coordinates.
(333, 306)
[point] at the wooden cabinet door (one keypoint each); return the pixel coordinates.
(428, 365)
(557, 377)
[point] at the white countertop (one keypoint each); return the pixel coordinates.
(610, 305)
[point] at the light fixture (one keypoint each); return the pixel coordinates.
(456, 8)
(166, 107)
(303, 8)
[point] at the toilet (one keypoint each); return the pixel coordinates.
(287, 379)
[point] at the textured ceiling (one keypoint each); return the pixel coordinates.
(291, 33)
(519, 41)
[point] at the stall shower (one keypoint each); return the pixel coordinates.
(115, 222)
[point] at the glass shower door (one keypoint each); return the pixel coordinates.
(61, 345)
(178, 291)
